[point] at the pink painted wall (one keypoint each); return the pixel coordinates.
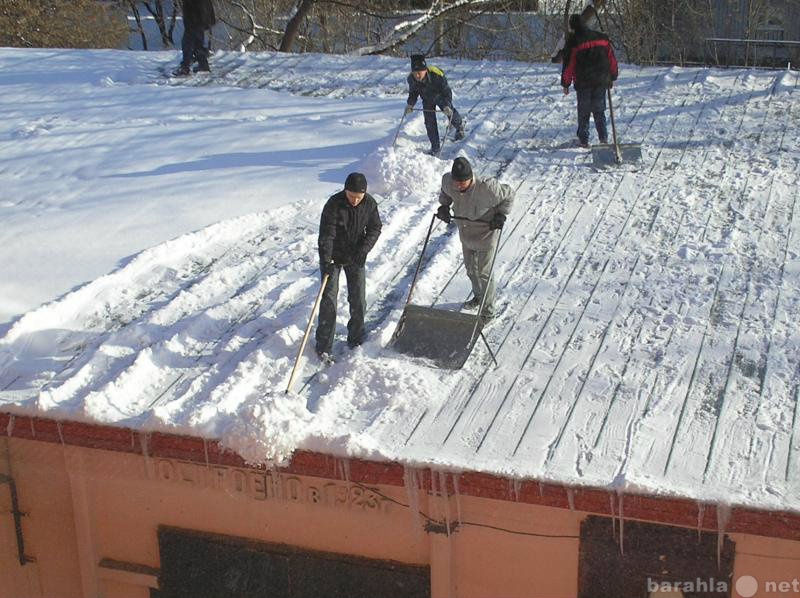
(83, 505)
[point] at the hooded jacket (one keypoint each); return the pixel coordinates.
(478, 204)
(347, 233)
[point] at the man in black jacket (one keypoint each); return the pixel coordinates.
(430, 83)
(590, 63)
(349, 227)
(198, 16)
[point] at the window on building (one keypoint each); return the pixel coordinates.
(658, 560)
(201, 565)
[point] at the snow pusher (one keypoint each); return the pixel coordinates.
(442, 336)
(308, 331)
(606, 154)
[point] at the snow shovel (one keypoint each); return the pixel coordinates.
(308, 331)
(604, 154)
(442, 336)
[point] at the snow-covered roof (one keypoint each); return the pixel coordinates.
(646, 338)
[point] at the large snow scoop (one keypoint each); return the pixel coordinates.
(445, 337)
(308, 330)
(605, 154)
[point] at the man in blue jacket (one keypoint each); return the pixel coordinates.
(429, 83)
(348, 229)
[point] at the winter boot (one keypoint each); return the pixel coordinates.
(325, 358)
(181, 71)
(202, 66)
(473, 303)
(459, 134)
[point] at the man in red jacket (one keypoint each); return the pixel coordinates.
(590, 64)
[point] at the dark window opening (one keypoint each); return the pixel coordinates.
(658, 560)
(201, 565)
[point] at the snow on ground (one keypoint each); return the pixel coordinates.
(647, 339)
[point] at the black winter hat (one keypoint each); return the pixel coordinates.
(576, 22)
(418, 62)
(461, 170)
(356, 182)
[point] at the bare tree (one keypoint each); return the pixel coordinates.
(62, 24)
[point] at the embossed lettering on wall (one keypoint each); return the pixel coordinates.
(269, 485)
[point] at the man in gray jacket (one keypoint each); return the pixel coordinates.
(480, 207)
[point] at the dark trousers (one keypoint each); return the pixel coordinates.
(356, 297)
(430, 119)
(193, 46)
(592, 101)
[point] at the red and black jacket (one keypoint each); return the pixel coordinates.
(589, 61)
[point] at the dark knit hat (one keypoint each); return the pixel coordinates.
(356, 182)
(418, 62)
(576, 22)
(461, 170)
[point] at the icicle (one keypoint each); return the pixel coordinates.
(541, 490)
(571, 499)
(621, 526)
(723, 517)
(60, 433)
(33, 430)
(517, 489)
(276, 482)
(410, 479)
(10, 427)
(346, 469)
(456, 478)
(148, 465)
(446, 498)
(701, 511)
(205, 451)
(613, 516)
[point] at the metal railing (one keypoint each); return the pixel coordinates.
(720, 51)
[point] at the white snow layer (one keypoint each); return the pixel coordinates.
(647, 337)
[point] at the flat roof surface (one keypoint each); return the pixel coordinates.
(646, 336)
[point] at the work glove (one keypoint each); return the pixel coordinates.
(327, 268)
(409, 109)
(566, 90)
(443, 214)
(448, 111)
(497, 221)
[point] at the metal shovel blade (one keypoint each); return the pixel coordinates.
(444, 337)
(605, 154)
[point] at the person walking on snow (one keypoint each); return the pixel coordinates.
(480, 206)
(590, 64)
(198, 16)
(348, 229)
(430, 83)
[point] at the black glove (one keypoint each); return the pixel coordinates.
(443, 214)
(497, 222)
(327, 268)
(409, 109)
